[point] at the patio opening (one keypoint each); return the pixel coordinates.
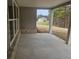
(42, 23)
(61, 21)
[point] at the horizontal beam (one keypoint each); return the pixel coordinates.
(66, 3)
(63, 4)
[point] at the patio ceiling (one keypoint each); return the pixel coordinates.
(40, 3)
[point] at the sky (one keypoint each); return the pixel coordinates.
(42, 12)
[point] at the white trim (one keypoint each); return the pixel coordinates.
(16, 14)
(17, 43)
(13, 38)
(11, 19)
(8, 32)
(50, 20)
(69, 42)
(15, 3)
(15, 47)
(18, 19)
(13, 8)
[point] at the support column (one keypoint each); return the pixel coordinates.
(69, 42)
(50, 20)
(69, 29)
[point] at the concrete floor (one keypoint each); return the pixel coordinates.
(42, 46)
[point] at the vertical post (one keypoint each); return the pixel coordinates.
(50, 20)
(18, 18)
(13, 17)
(69, 29)
(69, 42)
(68, 37)
(69, 32)
(8, 30)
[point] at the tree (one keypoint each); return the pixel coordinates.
(59, 12)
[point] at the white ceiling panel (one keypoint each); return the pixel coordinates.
(40, 3)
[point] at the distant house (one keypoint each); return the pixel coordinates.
(42, 19)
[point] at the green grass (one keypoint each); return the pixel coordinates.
(42, 23)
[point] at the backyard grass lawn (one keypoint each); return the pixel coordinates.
(60, 32)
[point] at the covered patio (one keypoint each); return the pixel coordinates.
(23, 40)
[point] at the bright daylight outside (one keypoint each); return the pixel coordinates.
(60, 21)
(42, 20)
